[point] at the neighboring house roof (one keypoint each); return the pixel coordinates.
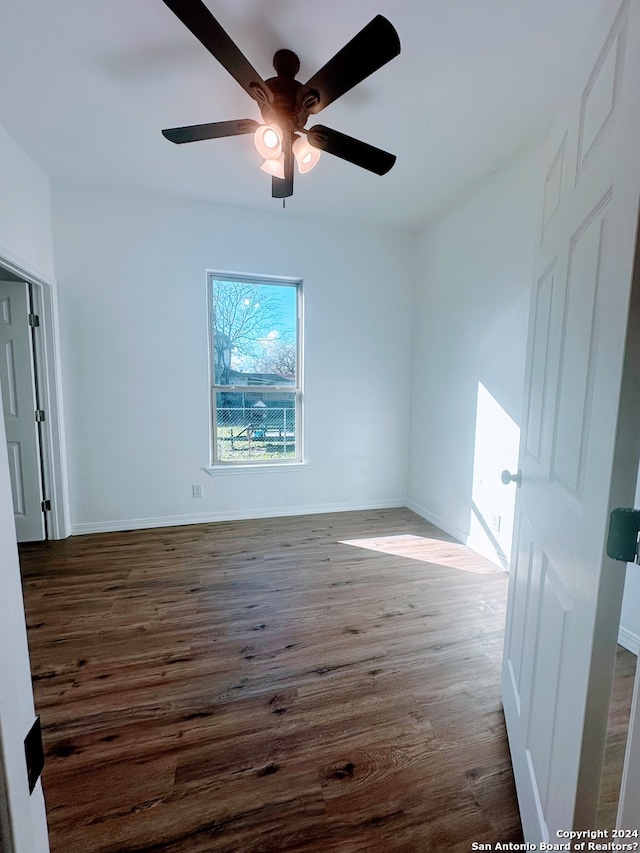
(237, 378)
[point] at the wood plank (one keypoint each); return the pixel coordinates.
(266, 686)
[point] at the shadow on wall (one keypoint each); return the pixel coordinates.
(496, 447)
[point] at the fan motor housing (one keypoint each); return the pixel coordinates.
(284, 107)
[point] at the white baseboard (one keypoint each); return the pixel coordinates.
(460, 535)
(280, 512)
(479, 547)
(204, 518)
(488, 553)
(629, 640)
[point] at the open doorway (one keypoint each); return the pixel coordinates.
(30, 371)
(23, 416)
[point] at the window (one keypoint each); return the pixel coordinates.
(255, 350)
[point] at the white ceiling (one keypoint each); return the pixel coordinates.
(87, 85)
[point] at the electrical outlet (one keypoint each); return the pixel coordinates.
(494, 521)
(197, 490)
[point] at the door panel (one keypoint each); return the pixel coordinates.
(524, 579)
(542, 360)
(563, 612)
(602, 91)
(19, 406)
(17, 482)
(554, 611)
(572, 421)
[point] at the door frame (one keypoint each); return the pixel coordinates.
(47, 364)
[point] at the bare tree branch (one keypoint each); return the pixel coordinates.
(279, 357)
(243, 315)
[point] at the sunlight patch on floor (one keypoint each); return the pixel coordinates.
(451, 554)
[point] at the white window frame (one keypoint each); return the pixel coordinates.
(218, 466)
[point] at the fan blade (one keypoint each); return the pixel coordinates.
(373, 47)
(283, 188)
(214, 130)
(197, 18)
(347, 148)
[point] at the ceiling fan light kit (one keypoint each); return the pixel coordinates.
(306, 156)
(286, 104)
(268, 141)
(274, 167)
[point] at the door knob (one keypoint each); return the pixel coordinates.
(507, 477)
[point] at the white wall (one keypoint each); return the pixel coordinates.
(132, 299)
(469, 330)
(25, 238)
(25, 211)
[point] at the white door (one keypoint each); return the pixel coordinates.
(23, 825)
(19, 405)
(577, 456)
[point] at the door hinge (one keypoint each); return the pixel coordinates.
(34, 754)
(39, 416)
(622, 541)
(34, 320)
(46, 505)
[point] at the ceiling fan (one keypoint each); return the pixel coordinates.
(286, 104)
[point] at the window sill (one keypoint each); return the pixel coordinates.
(264, 468)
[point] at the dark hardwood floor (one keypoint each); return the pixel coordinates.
(264, 686)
